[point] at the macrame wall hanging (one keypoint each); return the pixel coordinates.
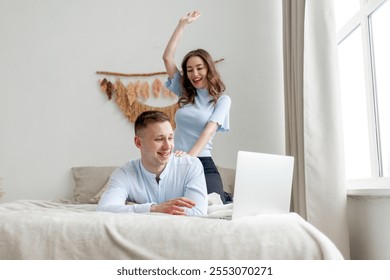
(131, 98)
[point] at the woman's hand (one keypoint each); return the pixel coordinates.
(179, 153)
(190, 17)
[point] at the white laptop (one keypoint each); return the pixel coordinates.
(263, 184)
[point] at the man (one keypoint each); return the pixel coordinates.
(159, 181)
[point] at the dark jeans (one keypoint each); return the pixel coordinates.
(213, 179)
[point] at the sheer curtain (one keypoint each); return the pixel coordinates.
(313, 117)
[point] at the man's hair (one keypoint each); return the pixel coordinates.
(148, 117)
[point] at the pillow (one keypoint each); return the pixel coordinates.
(89, 181)
(96, 198)
(228, 175)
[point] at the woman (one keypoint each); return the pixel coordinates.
(204, 109)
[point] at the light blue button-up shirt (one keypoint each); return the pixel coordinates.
(182, 176)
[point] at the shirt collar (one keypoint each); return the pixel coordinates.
(153, 175)
(202, 91)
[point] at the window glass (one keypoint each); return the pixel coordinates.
(345, 10)
(380, 21)
(353, 94)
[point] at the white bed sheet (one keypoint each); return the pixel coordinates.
(36, 229)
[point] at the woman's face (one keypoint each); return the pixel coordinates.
(197, 72)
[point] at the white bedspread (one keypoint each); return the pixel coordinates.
(33, 229)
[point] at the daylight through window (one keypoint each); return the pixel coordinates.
(364, 61)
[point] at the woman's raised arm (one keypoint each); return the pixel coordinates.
(170, 50)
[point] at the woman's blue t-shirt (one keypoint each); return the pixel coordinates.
(191, 119)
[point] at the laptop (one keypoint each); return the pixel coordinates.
(262, 185)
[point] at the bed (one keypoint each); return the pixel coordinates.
(72, 229)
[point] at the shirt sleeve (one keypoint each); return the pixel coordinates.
(196, 189)
(114, 199)
(174, 84)
(221, 113)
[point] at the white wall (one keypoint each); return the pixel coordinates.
(53, 115)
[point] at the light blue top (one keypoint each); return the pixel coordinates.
(183, 176)
(191, 119)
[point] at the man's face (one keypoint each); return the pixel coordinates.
(156, 145)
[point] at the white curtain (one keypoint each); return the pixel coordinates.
(313, 117)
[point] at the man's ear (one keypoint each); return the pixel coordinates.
(137, 141)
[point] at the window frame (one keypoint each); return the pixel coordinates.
(362, 19)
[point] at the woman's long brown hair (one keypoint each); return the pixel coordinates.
(216, 86)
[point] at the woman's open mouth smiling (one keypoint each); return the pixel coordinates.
(197, 81)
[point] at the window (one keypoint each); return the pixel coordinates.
(364, 59)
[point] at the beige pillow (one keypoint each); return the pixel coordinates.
(89, 180)
(228, 175)
(96, 198)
